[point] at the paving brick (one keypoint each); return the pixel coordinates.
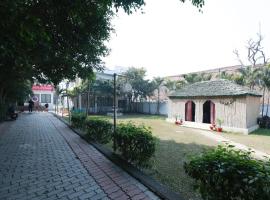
(139, 196)
(41, 158)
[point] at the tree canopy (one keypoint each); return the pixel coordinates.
(48, 41)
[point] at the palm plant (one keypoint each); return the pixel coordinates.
(250, 76)
(158, 82)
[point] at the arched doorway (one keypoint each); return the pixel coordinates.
(190, 111)
(209, 112)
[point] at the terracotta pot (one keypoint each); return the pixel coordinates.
(219, 129)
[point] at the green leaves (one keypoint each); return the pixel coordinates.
(136, 143)
(225, 173)
(99, 130)
(78, 120)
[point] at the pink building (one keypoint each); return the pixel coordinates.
(43, 94)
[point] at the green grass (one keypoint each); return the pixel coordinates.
(261, 131)
(259, 139)
(129, 116)
(174, 147)
(177, 144)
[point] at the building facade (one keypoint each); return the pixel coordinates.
(204, 103)
(43, 94)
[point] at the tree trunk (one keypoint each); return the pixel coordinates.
(263, 101)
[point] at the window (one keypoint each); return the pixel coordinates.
(45, 98)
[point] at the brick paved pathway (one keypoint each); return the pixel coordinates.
(41, 158)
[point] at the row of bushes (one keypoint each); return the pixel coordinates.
(228, 174)
(223, 173)
(136, 144)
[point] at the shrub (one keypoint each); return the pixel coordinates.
(228, 174)
(264, 122)
(78, 119)
(135, 143)
(99, 130)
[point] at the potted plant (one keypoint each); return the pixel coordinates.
(178, 122)
(219, 121)
(213, 126)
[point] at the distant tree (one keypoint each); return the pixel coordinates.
(252, 75)
(225, 75)
(174, 85)
(197, 77)
(135, 77)
(158, 82)
(49, 41)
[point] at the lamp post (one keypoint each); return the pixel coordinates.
(114, 110)
(115, 104)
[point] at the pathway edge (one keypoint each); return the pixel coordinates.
(157, 188)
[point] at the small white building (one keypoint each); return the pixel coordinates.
(201, 104)
(43, 94)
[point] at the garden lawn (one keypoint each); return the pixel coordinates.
(259, 139)
(175, 145)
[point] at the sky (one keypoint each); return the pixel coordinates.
(171, 38)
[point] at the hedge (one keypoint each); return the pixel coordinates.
(135, 143)
(78, 119)
(99, 130)
(228, 174)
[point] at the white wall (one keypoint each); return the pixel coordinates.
(39, 92)
(253, 110)
(233, 114)
(151, 108)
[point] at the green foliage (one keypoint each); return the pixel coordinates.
(99, 130)
(174, 85)
(228, 174)
(136, 77)
(250, 76)
(136, 143)
(49, 41)
(219, 122)
(197, 77)
(78, 119)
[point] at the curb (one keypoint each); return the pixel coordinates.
(162, 191)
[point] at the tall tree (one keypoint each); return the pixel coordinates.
(197, 77)
(251, 75)
(135, 77)
(158, 82)
(49, 41)
(174, 85)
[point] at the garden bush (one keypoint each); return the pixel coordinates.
(78, 119)
(99, 130)
(264, 122)
(228, 174)
(135, 143)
